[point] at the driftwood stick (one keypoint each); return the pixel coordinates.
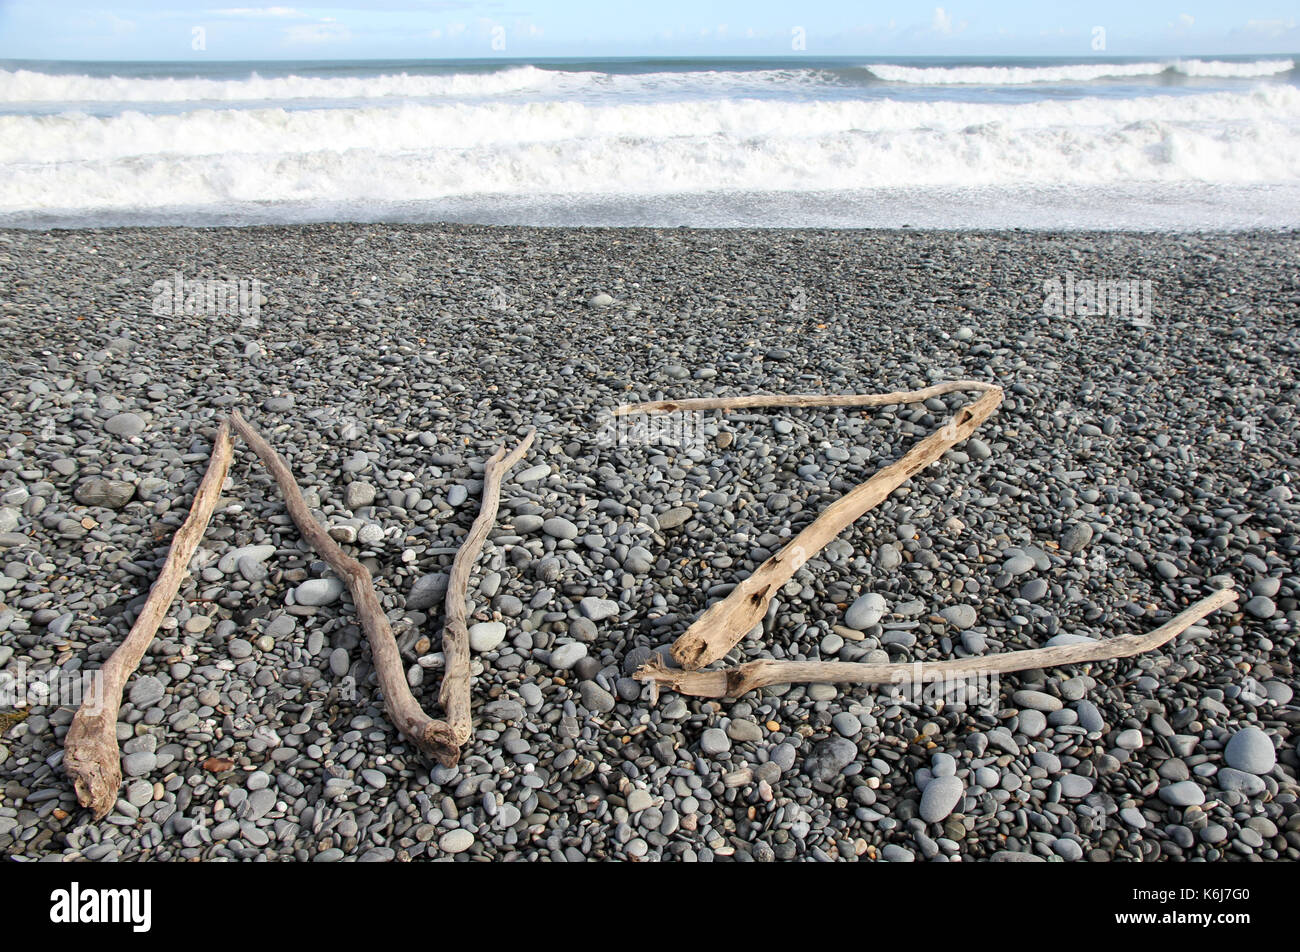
(726, 622)
(734, 682)
(91, 757)
(433, 738)
(803, 400)
(454, 694)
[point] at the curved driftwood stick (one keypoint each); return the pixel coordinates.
(454, 694)
(733, 682)
(725, 623)
(804, 400)
(91, 757)
(434, 738)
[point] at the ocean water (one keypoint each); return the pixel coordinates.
(1209, 143)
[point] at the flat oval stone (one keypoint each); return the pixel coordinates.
(1250, 750)
(940, 798)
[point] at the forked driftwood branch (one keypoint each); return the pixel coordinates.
(454, 694)
(725, 623)
(434, 738)
(739, 680)
(91, 757)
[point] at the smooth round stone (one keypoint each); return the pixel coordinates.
(146, 692)
(1268, 587)
(427, 591)
(1261, 606)
(598, 609)
(746, 732)
(677, 516)
(1213, 833)
(1036, 701)
(1133, 817)
(339, 662)
(865, 611)
(487, 635)
(1129, 739)
(639, 560)
(1033, 590)
(846, 724)
(960, 616)
(1229, 778)
(1032, 723)
(1075, 787)
(456, 841)
(1185, 793)
(1089, 717)
(1250, 750)
(125, 424)
(940, 798)
(139, 792)
(318, 591)
(106, 493)
(139, 763)
(1076, 537)
(281, 626)
(1018, 565)
(567, 655)
(715, 742)
(457, 495)
(358, 495)
(595, 698)
(557, 527)
(828, 758)
(239, 649)
(943, 765)
(1068, 850)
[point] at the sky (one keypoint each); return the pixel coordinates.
(456, 29)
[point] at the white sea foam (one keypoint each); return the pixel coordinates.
(22, 85)
(1072, 73)
(422, 152)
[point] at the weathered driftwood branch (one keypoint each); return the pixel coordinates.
(454, 694)
(91, 757)
(734, 682)
(804, 400)
(434, 738)
(726, 622)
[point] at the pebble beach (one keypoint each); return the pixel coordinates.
(1138, 462)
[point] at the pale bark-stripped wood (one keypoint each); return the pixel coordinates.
(803, 400)
(726, 622)
(433, 737)
(455, 694)
(91, 757)
(741, 679)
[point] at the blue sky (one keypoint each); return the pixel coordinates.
(433, 29)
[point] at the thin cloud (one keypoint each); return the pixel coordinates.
(256, 12)
(315, 34)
